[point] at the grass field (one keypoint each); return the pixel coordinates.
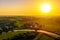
(48, 24)
(38, 36)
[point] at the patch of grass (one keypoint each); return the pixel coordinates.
(9, 35)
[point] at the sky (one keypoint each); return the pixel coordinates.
(27, 7)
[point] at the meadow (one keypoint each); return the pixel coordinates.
(51, 24)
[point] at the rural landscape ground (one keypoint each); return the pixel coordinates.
(50, 24)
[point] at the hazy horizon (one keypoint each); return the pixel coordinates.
(27, 7)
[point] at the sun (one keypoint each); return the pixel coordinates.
(45, 8)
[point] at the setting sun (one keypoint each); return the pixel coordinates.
(45, 8)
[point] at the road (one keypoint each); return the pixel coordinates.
(42, 31)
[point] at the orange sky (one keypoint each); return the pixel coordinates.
(27, 7)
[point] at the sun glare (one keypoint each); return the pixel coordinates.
(45, 8)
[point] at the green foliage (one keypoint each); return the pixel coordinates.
(20, 35)
(48, 24)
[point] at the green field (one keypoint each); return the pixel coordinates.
(49, 24)
(25, 36)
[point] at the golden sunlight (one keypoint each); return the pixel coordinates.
(45, 8)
